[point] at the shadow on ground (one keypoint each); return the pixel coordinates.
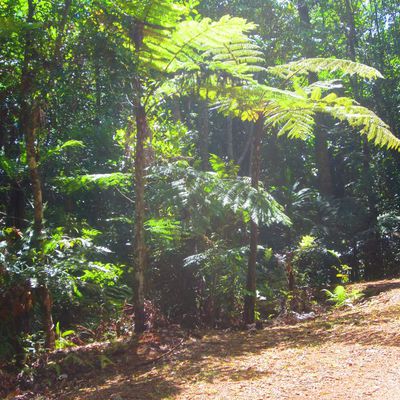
(375, 288)
(213, 357)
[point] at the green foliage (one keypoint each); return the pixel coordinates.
(315, 265)
(223, 169)
(164, 228)
(236, 194)
(102, 274)
(103, 181)
(293, 113)
(223, 44)
(307, 242)
(66, 145)
(331, 65)
(62, 341)
(341, 297)
(86, 79)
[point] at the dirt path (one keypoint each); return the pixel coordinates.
(350, 354)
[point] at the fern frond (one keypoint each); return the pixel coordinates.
(328, 85)
(370, 124)
(249, 101)
(235, 194)
(345, 67)
(293, 112)
(221, 253)
(222, 46)
(296, 124)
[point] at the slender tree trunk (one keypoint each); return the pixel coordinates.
(323, 162)
(142, 134)
(46, 304)
(374, 268)
(30, 121)
(140, 245)
(30, 127)
(16, 206)
(351, 35)
(250, 297)
(204, 132)
(251, 148)
(176, 110)
(245, 168)
(350, 32)
(229, 138)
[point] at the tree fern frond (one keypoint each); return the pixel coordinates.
(235, 194)
(324, 86)
(248, 101)
(222, 45)
(293, 112)
(345, 67)
(371, 125)
(296, 124)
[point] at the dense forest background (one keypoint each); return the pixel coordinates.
(92, 215)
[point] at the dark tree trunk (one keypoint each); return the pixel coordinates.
(16, 206)
(323, 163)
(204, 132)
(350, 32)
(176, 110)
(46, 304)
(141, 161)
(140, 245)
(229, 138)
(374, 268)
(30, 126)
(250, 297)
(30, 122)
(245, 168)
(251, 148)
(351, 35)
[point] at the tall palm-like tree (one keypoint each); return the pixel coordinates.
(292, 113)
(168, 42)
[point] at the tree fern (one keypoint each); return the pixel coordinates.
(293, 113)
